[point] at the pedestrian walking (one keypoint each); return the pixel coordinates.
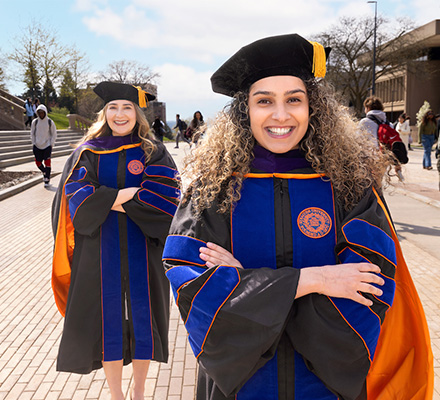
(35, 106)
(404, 129)
(111, 214)
(159, 128)
(427, 132)
(181, 127)
(29, 111)
(197, 127)
(43, 137)
(282, 255)
(383, 133)
(375, 115)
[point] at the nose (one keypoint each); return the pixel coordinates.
(280, 112)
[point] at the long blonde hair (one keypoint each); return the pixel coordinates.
(332, 144)
(142, 128)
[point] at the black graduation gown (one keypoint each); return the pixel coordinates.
(108, 277)
(252, 339)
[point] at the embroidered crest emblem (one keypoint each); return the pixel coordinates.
(314, 222)
(135, 167)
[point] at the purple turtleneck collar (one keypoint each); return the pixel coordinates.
(112, 142)
(267, 161)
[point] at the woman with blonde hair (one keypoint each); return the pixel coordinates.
(111, 214)
(282, 255)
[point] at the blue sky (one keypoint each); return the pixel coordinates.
(185, 41)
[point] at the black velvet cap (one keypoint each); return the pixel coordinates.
(276, 55)
(109, 91)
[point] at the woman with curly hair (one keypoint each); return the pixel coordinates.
(282, 255)
(111, 214)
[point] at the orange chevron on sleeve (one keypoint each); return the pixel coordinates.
(403, 364)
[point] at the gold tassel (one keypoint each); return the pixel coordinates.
(319, 68)
(142, 97)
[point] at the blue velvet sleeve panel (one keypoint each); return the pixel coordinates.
(154, 205)
(89, 202)
(346, 334)
(228, 312)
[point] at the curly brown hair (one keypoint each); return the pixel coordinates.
(332, 144)
(101, 128)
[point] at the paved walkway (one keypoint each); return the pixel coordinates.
(30, 325)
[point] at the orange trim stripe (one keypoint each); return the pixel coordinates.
(282, 175)
(354, 330)
(218, 310)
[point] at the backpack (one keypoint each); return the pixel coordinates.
(50, 123)
(390, 138)
(183, 125)
(188, 133)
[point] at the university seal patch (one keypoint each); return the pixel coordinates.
(314, 222)
(135, 167)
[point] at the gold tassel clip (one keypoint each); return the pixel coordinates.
(319, 68)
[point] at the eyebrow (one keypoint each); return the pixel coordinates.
(124, 104)
(268, 93)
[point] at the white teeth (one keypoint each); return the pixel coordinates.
(120, 123)
(278, 131)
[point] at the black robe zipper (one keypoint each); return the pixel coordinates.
(284, 258)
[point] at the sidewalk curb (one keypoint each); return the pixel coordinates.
(416, 196)
(13, 190)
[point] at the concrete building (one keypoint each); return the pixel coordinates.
(406, 90)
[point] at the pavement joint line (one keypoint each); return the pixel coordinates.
(416, 196)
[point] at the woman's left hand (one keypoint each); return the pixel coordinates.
(214, 254)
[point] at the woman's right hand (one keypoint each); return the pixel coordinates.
(342, 280)
(123, 196)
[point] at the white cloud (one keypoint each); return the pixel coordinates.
(424, 11)
(184, 90)
(203, 30)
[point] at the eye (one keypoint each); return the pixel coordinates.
(293, 100)
(263, 101)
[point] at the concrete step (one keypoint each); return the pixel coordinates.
(26, 159)
(28, 132)
(9, 147)
(17, 154)
(27, 142)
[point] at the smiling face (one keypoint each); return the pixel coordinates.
(279, 112)
(121, 117)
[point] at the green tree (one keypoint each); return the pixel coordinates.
(79, 68)
(41, 56)
(49, 94)
(68, 92)
(27, 55)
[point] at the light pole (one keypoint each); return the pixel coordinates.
(373, 85)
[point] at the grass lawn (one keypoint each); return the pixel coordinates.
(61, 121)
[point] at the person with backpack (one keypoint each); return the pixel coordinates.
(43, 136)
(376, 124)
(181, 128)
